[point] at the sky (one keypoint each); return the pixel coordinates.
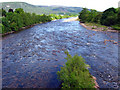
(99, 5)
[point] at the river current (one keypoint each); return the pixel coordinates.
(31, 58)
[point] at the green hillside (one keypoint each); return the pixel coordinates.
(119, 4)
(41, 9)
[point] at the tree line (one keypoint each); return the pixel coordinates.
(109, 17)
(13, 20)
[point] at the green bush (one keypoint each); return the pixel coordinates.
(1, 28)
(93, 27)
(75, 73)
(116, 27)
(13, 26)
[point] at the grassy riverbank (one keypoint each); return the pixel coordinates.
(107, 20)
(98, 27)
(20, 29)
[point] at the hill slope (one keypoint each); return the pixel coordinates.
(119, 4)
(41, 9)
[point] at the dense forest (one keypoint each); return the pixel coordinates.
(110, 17)
(15, 20)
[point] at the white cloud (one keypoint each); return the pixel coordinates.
(99, 5)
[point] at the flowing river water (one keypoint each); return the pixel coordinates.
(31, 58)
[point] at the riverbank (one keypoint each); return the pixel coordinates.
(29, 26)
(97, 27)
(23, 28)
(71, 19)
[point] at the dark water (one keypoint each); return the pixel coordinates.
(32, 57)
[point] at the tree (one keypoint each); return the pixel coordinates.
(19, 10)
(45, 18)
(97, 18)
(34, 18)
(92, 15)
(9, 16)
(13, 21)
(14, 26)
(84, 14)
(118, 16)
(74, 74)
(0, 12)
(6, 25)
(17, 18)
(10, 10)
(3, 12)
(2, 30)
(109, 17)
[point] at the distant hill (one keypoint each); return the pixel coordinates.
(41, 9)
(119, 4)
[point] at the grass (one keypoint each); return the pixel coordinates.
(95, 24)
(75, 74)
(105, 28)
(116, 27)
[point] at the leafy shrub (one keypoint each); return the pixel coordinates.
(75, 73)
(116, 27)
(1, 28)
(93, 27)
(14, 26)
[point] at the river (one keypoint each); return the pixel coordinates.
(31, 58)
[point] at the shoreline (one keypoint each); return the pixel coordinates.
(95, 28)
(23, 28)
(71, 19)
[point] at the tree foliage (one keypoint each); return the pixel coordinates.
(84, 15)
(14, 20)
(3, 12)
(74, 74)
(19, 10)
(6, 25)
(10, 10)
(110, 17)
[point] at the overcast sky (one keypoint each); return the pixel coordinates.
(99, 5)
